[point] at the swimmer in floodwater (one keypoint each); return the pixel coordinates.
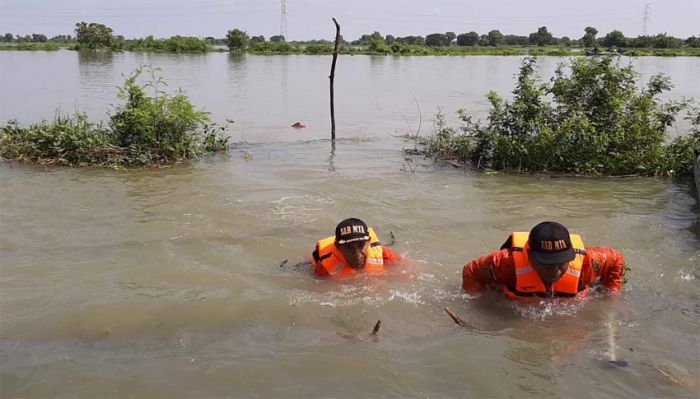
(546, 262)
(354, 249)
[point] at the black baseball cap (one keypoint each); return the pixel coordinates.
(550, 244)
(351, 230)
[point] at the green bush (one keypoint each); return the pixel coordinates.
(408, 49)
(175, 44)
(550, 51)
(142, 130)
(29, 47)
(590, 118)
(166, 128)
(319, 49)
(679, 155)
(66, 141)
(179, 44)
(273, 48)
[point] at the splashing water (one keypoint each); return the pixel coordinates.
(546, 308)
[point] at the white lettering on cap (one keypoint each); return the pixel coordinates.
(358, 229)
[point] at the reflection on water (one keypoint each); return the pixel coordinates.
(96, 58)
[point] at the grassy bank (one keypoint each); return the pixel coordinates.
(174, 44)
(143, 130)
(181, 44)
(29, 47)
(591, 118)
(403, 49)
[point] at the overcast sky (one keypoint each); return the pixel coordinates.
(311, 19)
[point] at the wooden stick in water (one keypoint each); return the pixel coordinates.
(376, 327)
(332, 76)
(455, 318)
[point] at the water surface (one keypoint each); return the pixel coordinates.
(167, 282)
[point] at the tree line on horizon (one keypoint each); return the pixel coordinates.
(95, 35)
(541, 37)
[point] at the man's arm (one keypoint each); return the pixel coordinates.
(390, 256)
(608, 264)
(488, 269)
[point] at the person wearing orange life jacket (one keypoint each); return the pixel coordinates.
(548, 261)
(354, 248)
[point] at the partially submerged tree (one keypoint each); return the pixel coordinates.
(614, 39)
(468, 39)
(436, 40)
(495, 37)
(237, 40)
(542, 37)
(588, 38)
(93, 35)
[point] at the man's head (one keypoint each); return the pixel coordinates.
(550, 250)
(352, 240)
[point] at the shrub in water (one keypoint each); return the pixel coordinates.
(66, 141)
(162, 127)
(143, 130)
(591, 118)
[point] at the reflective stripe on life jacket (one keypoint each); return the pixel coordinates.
(528, 282)
(329, 257)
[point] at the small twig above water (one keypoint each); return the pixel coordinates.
(393, 240)
(408, 165)
(376, 327)
(296, 265)
(458, 320)
(420, 116)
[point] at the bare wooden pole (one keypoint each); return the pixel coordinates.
(335, 57)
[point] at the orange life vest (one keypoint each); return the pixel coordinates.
(328, 257)
(528, 282)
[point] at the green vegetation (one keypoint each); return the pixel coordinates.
(29, 47)
(591, 118)
(93, 35)
(237, 40)
(541, 38)
(175, 44)
(588, 39)
(143, 130)
(661, 52)
(540, 42)
(276, 48)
